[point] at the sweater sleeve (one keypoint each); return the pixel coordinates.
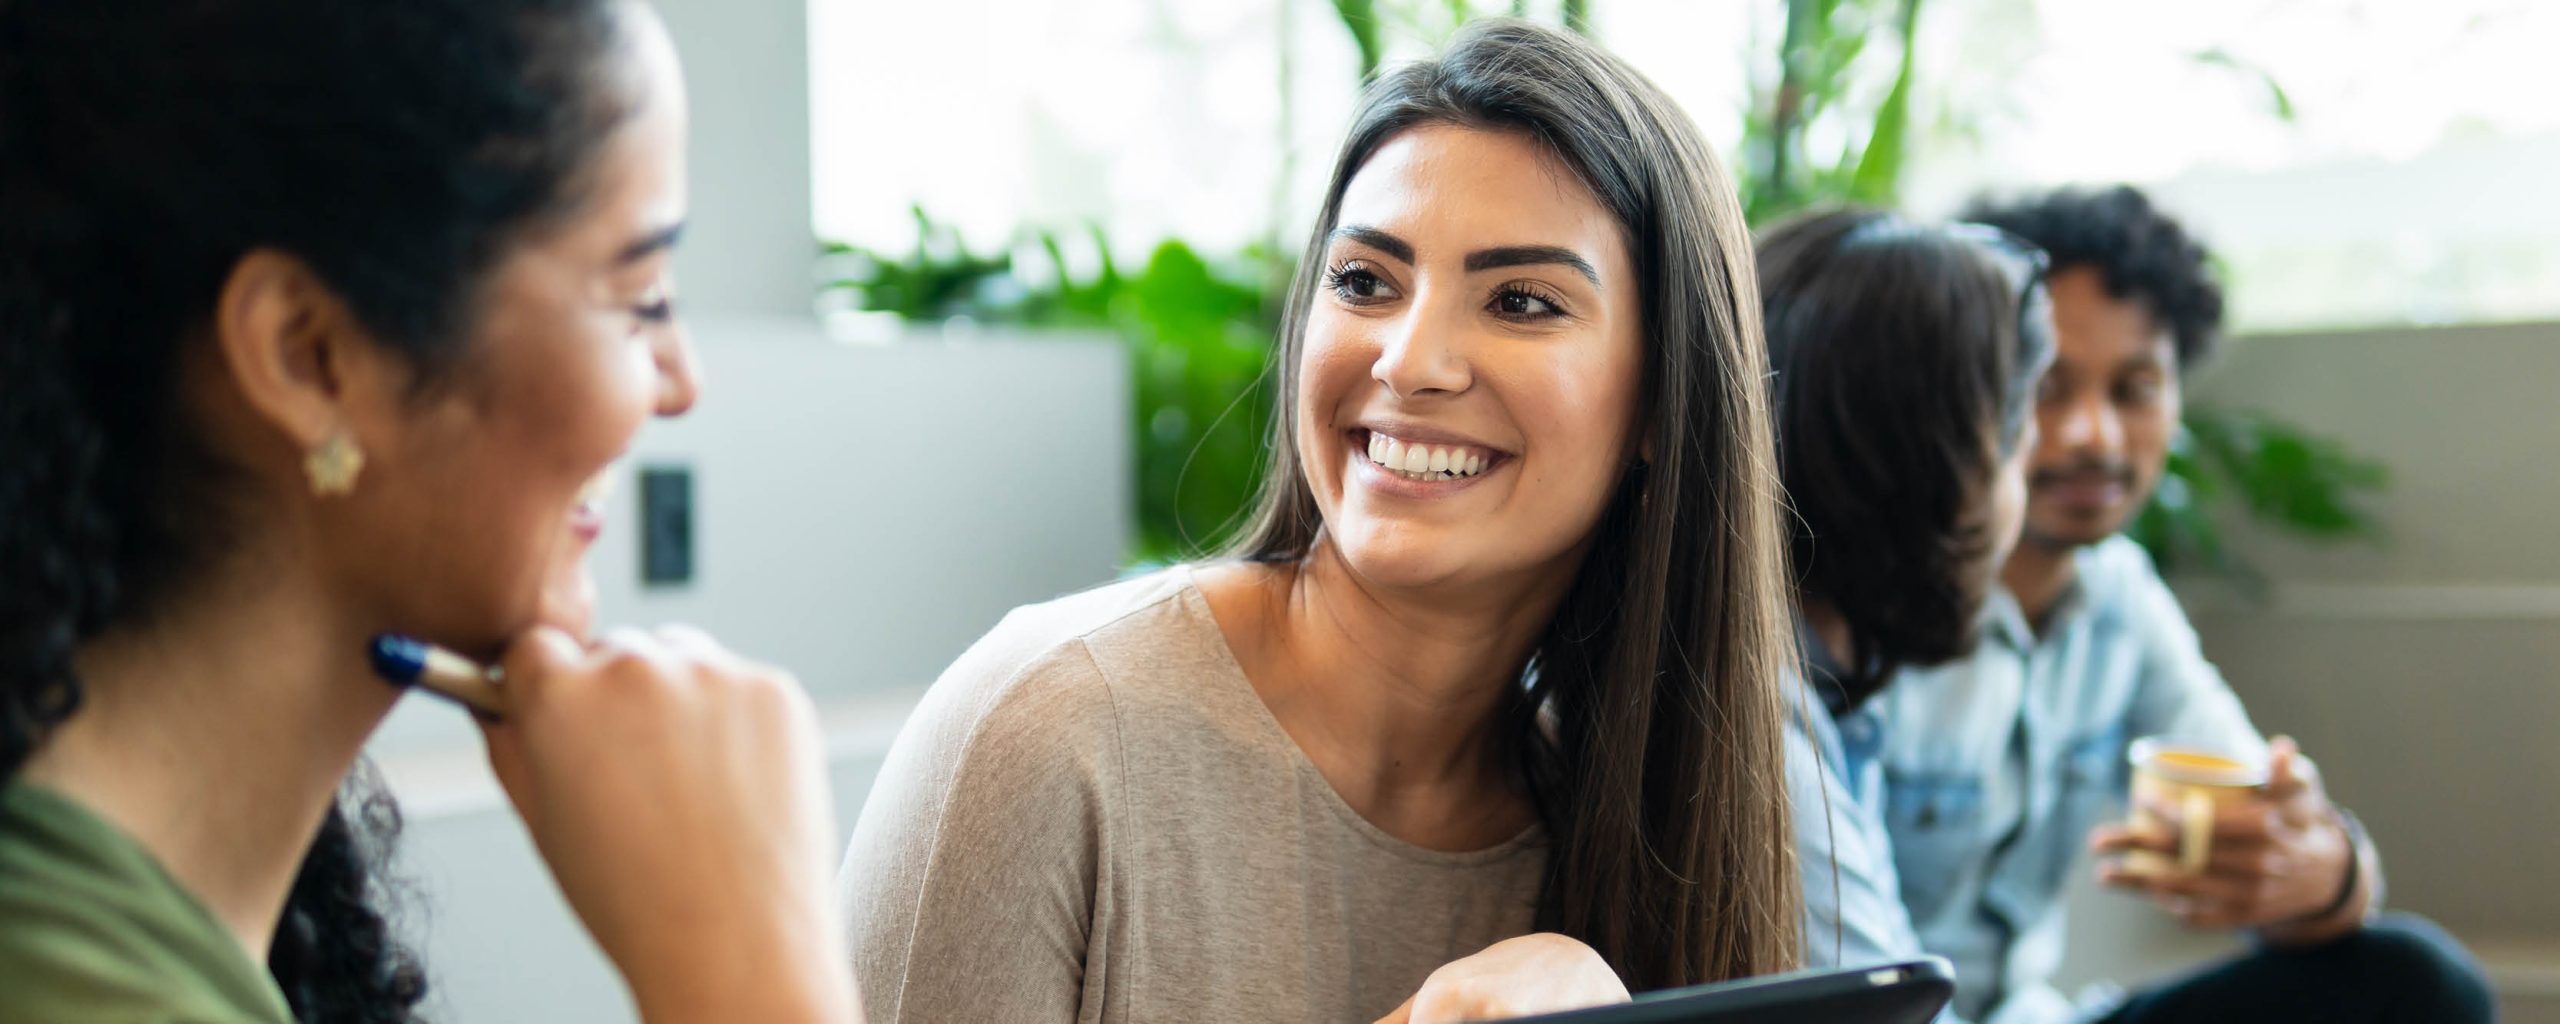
(972, 880)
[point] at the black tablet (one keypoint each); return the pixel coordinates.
(1911, 992)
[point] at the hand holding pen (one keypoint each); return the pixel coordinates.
(678, 792)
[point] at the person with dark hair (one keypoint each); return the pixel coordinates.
(1905, 358)
(1999, 768)
(1494, 671)
(316, 319)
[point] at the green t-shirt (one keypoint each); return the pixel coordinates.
(91, 929)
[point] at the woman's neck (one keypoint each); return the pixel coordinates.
(1397, 697)
(216, 736)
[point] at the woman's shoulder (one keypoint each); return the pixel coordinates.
(97, 931)
(1058, 640)
(1061, 669)
(1114, 612)
(1114, 638)
(1021, 745)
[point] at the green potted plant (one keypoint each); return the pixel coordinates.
(1199, 329)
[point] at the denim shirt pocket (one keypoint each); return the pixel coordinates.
(2092, 778)
(1936, 822)
(2095, 760)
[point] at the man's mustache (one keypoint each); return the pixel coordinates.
(2084, 471)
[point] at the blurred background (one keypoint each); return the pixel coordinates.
(984, 290)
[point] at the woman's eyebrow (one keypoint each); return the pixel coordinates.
(1397, 248)
(1482, 259)
(655, 241)
(1528, 255)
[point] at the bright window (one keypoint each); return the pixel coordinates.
(2411, 182)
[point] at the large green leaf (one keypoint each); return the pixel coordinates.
(1360, 18)
(1878, 179)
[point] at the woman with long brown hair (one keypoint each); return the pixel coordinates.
(1495, 671)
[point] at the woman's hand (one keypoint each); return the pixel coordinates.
(1532, 974)
(678, 793)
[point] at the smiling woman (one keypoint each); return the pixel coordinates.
(1482, 718)
(316, 322)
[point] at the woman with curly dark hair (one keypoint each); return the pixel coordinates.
(316, 318)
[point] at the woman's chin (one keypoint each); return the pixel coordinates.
(1403, 566)
(569, 600)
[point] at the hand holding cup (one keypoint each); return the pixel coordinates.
(2220, 844)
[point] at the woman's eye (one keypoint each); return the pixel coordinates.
(1516, 303)
(1357, 285)
(656, 306)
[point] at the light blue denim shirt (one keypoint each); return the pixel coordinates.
(1960, 796)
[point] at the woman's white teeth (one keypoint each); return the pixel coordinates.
(597, 487)
(1426, 462)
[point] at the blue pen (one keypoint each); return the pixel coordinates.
(406, 661)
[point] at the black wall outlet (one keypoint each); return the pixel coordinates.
(666, 525)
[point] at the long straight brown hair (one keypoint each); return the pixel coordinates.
(1657, 769)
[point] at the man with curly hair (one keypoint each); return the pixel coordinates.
(2000, 767)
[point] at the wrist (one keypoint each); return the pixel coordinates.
(779, 975)
(2350, 881)
(774, 996)
(2344, 910)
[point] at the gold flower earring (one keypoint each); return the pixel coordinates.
(334, 465)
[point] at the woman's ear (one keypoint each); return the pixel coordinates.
(295, 355)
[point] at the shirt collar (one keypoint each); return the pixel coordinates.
(2003, 621)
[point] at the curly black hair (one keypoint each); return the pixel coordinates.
(2143, 253)
(146, 146)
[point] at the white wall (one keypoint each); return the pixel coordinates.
(2422, 672)
(748, 245)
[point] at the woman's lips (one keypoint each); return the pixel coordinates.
(568, 589)
(586, 521)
